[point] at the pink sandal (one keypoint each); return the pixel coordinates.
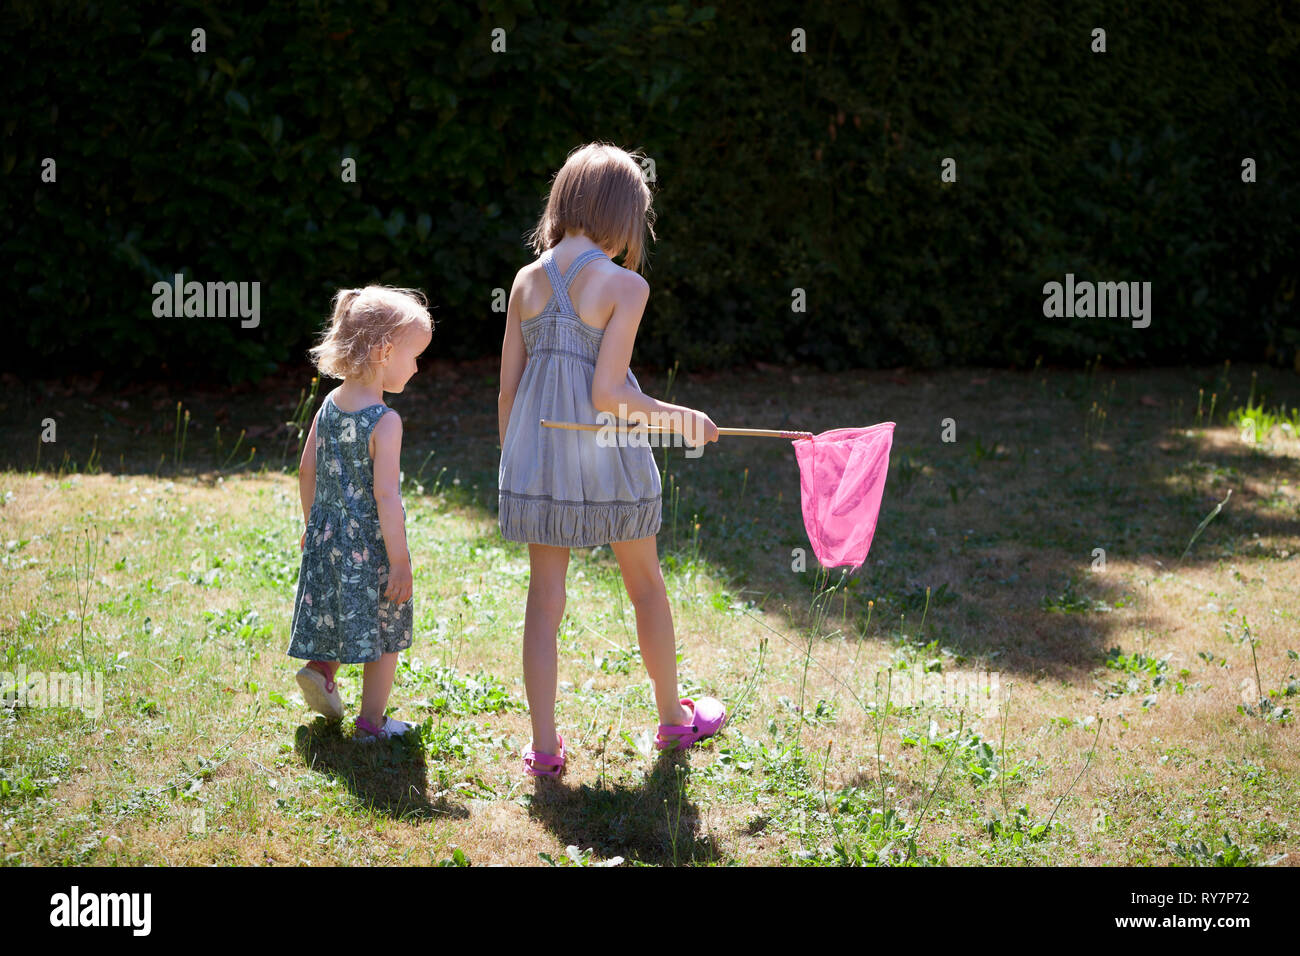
(555, 762)
(391, 727)
(707, 717)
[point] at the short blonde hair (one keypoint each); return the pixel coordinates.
(365, 319)
(601, 191)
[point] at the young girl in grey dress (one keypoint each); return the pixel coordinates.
(354, 589)
(570, 326)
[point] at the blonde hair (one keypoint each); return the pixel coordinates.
(365, 319)
(599, 190)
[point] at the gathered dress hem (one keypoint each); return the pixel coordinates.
(538, 519)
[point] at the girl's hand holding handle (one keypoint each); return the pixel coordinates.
(700, 430)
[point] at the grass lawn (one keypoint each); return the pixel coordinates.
(1032, 668)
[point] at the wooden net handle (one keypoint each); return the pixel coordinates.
(751, 432)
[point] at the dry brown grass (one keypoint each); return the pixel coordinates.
(1014, 530)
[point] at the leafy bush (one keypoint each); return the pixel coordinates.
(775, 170)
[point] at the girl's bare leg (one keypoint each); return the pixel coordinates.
(376, 685)
(639, 562)
(545, 610)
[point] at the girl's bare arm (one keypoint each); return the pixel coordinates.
(513, 360)
(610, 389)
(388, 500)
(307, 472)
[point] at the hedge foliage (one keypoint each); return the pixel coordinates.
(775, 170)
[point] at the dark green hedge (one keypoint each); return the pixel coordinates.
(775, 170)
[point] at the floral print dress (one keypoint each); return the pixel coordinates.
(340, 613)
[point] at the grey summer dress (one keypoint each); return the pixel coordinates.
(557, 486)
(340, 613)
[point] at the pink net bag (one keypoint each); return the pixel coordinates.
(841, 480)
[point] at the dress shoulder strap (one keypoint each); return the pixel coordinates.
(558, 290)
(348, 427)
(591, 255)
(561, 284)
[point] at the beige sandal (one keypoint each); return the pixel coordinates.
(320, 692)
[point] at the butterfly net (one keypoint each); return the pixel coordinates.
(841, 480)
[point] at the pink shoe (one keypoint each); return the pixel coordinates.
(552, 764)
(366, 731)
(707, 717)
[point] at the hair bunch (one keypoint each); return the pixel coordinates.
(363, 321)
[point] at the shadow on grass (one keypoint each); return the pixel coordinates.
(651, 823)
(1003, 524)
(389, 776)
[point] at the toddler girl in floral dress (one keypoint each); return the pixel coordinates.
(354, 589)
